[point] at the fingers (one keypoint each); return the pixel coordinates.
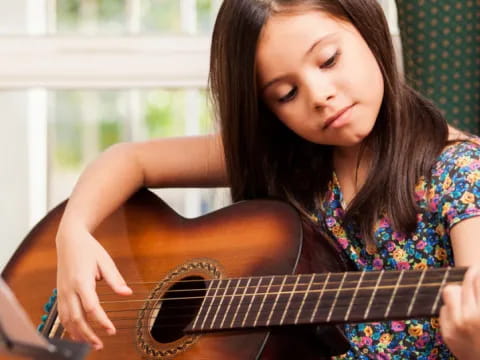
(74, 322)
(450, 313)
(93, 310)
(460, 315)
(112, 276)
(79, 266)
(470, 301)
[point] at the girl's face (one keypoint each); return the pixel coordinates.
(319, 77)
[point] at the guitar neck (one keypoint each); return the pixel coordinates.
(322, 298)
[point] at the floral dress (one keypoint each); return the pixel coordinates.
(452, 195)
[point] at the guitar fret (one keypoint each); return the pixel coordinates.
(304, 298)
(289, 300)
(222, 298)
(354, 296)
(394, 293)
(207, 297)
(240, 302)
(263, 301)
(336, 297)
(276, 301)
(251, 302)
(416, 293)
(230, 303)
(320, 297)
(370, 301)
(437, 298)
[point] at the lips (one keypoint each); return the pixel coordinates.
(331, 119)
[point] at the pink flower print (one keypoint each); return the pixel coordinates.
(398, 326)
(382, 356)
(421, 245)
(378, 264)
(403, 265)
(420, 343)
(434, 203)
(339, 212)
(475, 165)
(330, 221)
(390, 246)
(399, 236)
(383, 223)
(343, 242)
(366, 341)
(419, 195)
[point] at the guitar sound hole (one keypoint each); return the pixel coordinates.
(178, 308)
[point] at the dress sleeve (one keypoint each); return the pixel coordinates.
(457, 181)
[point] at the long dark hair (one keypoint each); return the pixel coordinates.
(266, 159)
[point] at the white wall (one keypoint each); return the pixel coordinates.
(14, 174)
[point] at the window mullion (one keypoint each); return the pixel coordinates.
(188, 16)
(134, 14)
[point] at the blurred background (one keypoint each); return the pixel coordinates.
(79, 75)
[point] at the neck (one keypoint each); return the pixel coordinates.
(322, 298)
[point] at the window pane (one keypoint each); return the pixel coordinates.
(178, 16)
(164, 17)
(161, 16)
(91, 16)
(83, 123)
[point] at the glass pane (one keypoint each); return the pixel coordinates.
(91, 16)
(165, 17)
(83, 123)
(161, 16)
(178, 16)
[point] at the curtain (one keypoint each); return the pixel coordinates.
(440, 42)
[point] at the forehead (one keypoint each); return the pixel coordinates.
(286, 37)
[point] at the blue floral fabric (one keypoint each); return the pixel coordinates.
(451, 195)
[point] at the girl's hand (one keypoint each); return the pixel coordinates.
(460, 316)
(81, 261)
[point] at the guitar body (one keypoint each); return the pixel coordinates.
(154, 248)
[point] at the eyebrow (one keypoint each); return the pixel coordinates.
(314, 45)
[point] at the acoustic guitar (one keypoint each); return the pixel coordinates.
(249, 281)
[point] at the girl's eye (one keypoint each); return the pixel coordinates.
(289, 96)
(331, 61)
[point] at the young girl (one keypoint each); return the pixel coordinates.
(312, 111)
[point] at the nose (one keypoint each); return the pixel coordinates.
(321, 89)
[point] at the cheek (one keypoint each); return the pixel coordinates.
(291, 116)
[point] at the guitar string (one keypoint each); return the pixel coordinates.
(392, 273)
(342, 304)
(452, 277)
(378, 306)
(298, 292)
(353, 282)
(253, 288)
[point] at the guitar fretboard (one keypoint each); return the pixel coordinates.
(322, 298)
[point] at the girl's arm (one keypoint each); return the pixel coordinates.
(460, 315)
(104, 186)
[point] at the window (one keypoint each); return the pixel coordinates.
(80, 75)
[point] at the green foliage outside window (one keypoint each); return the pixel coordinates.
(99, 16)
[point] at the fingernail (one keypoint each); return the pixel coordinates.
(111, 331)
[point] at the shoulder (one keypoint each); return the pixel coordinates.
(455, 182)
(457, 158)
